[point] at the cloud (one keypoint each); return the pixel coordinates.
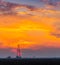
(22, 9)
(32, 30)
(51, 2)
(8, 8)
(56, 31)
(56, 35)
(32, 27)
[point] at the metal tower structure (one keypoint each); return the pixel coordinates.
(18, 51)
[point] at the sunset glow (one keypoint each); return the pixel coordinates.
(32, 27)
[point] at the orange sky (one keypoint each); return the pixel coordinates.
(30, 29)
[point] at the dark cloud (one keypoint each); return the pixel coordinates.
(51, 2)
(57, 35)
(8, 8)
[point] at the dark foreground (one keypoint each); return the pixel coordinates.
(26, 61)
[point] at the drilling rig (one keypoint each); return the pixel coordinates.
(18, 51)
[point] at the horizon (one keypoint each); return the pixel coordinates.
(33, 24)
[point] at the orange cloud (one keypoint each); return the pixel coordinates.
(29, 27)
(27, 31)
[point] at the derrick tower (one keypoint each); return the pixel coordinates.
(18, 51)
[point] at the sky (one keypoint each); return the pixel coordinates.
(33, 24)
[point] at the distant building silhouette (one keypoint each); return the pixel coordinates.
(9, 57)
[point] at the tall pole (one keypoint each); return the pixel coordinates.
(18, 51)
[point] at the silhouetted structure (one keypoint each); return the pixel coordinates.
(9, 57)
(18, 52)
